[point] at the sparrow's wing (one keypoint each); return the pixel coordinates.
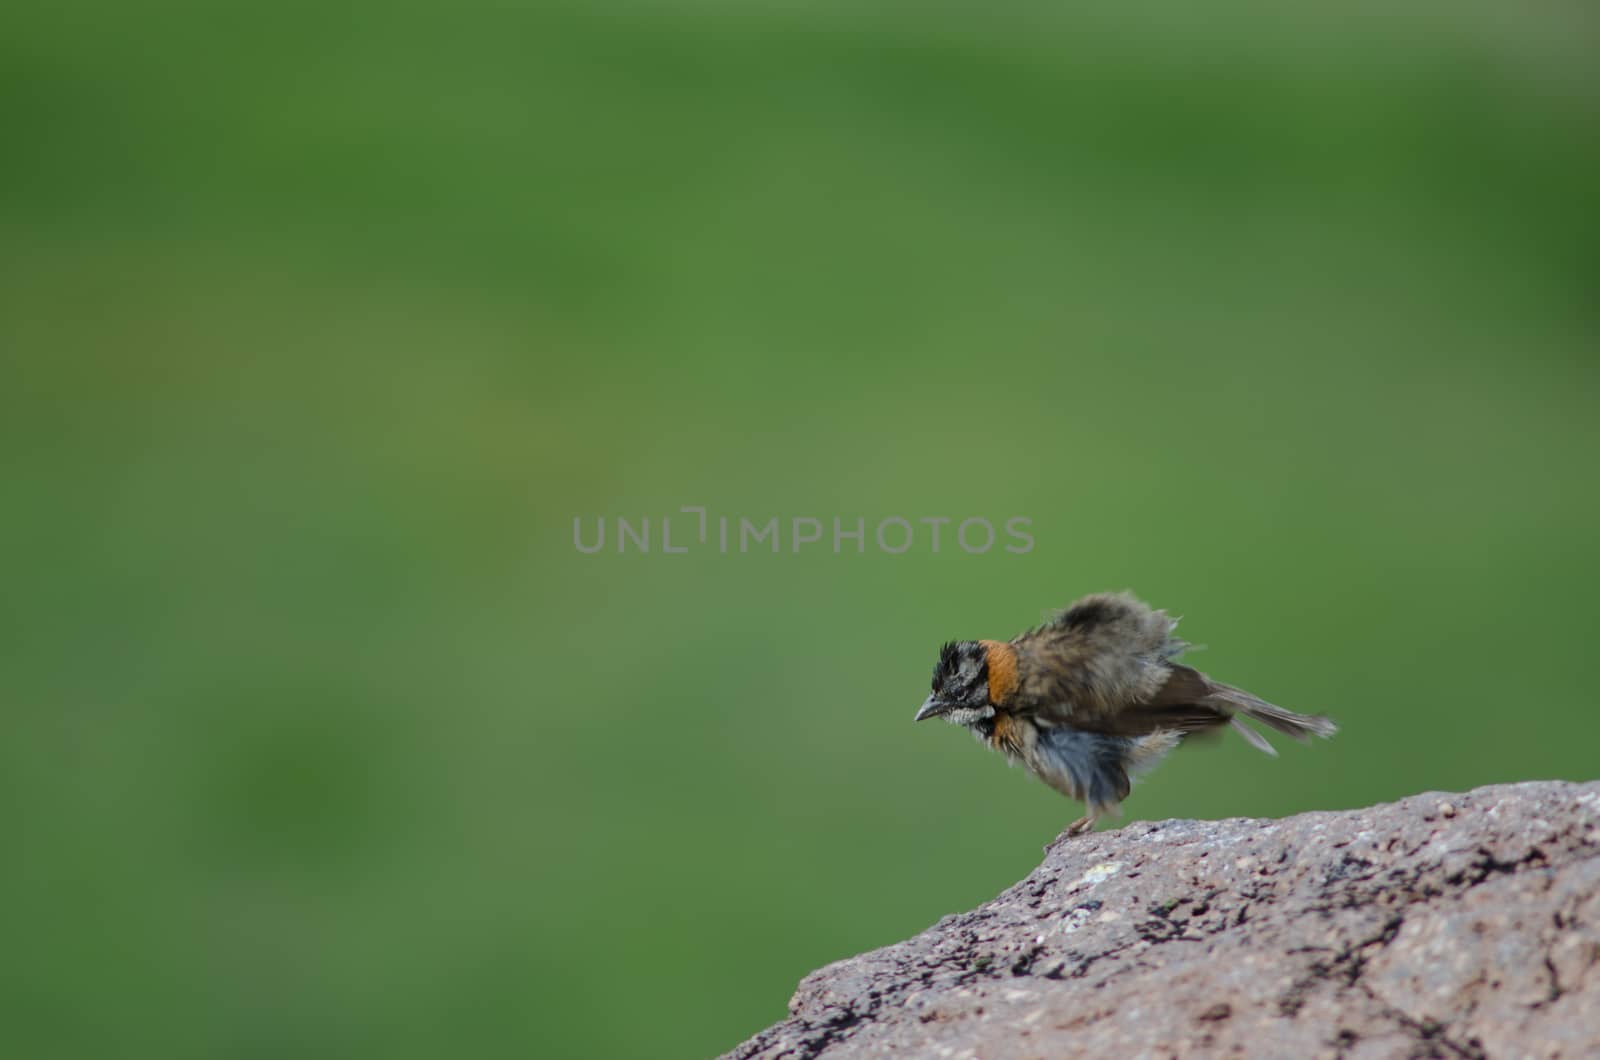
(1182, 718)
(1102, 656)
(1182, 702)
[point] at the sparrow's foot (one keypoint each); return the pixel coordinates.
(1082, 826)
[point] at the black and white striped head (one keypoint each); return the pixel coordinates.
(960, 685)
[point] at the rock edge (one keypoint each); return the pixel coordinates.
(1463, 926)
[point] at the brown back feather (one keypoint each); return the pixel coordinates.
(1105, 665)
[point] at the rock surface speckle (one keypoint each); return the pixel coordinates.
(1438, 926)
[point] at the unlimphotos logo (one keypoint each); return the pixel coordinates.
(894, 535)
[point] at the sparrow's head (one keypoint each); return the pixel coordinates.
(969, 680)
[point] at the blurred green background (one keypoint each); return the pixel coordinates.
(321, 323)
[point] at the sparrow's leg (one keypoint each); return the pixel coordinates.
(1082, 826)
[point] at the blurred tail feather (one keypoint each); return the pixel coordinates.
(1255, 739)
(1295, 726)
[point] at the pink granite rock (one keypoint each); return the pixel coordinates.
(1438, 926)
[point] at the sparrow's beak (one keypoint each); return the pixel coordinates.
(932, 707)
